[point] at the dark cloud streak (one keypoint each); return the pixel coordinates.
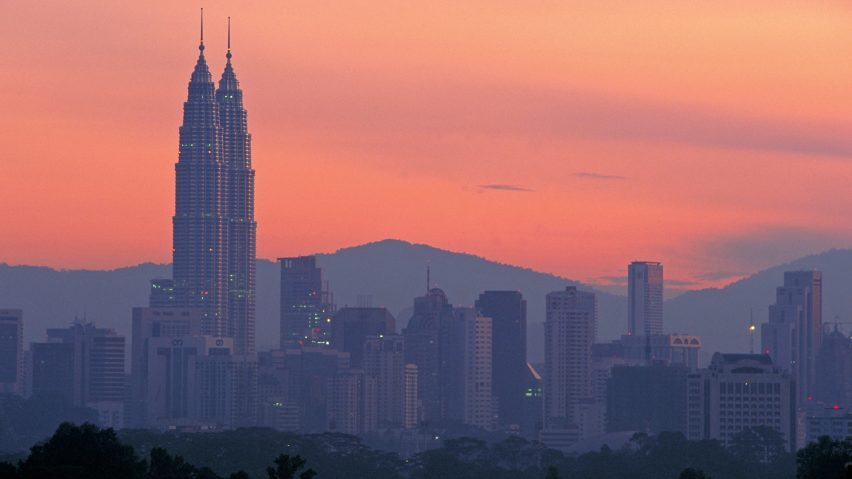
(502, 187)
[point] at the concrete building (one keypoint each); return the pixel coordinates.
(834, 371)
(793, 335)
(508, 313)
(669, 349)
(306, 305)
(351, 326)
(644, 298)
(468, 388)
(569, 335)
(94, 369)
(739, 391)
(835, 423)
(647, 398)
(411, 403)
(12, 351)
(384, 362)
(149, 324)
(426, 346)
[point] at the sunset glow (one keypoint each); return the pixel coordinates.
(568, 137)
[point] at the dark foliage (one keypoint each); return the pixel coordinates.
(824, 459)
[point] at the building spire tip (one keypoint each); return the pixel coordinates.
(201, 45)
(228, 55)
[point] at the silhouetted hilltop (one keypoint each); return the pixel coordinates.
(393, 272)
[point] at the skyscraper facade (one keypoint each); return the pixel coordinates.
(644, 298)
(200, 258)
(569, 334)
(793, 335)
(238, 206)
(214, 227)
(306, 306)
(11, 351)
(508, 313)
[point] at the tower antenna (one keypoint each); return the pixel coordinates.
(428, 278)
(228, 56)
(201, 45)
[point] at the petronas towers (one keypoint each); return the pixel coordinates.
(214, 227)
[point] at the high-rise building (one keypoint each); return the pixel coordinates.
(647, 398)
(53, 370)
(740, 391)
(162, 293)
(508, 313)
(569, 334)
(426, 340)
(411, 404)
(149, 324)
(200, 240)
(94, 366)
(384, 361)
(644, 298)
(793, 335)
(467, 388)
(834, 371)
(214, 227)
(306, 304)
(11, 351)
(238, 205)
(351, 326)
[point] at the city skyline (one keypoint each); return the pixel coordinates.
(406, 117)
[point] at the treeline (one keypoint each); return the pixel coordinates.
(89, 452)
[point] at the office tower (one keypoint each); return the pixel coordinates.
(351, 326)
(532, 404)
(306, 305)
(149, 324)
(425, 347)
(647, 398)
(278, 407)
(411, 403)
(95, 369)
(467, 382)
(162, 293)
(384, 361)
(569, 334)
(644, 298)
(508, 313)
(11, 351)
(53, 370)
(238, 208)
(200, 240)
(740, 391)
(834, 371)
(831, 422)
(793, 335)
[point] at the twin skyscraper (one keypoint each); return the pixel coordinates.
(214, 226)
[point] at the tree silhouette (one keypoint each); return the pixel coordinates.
(82, 451)
(690, 473)
(824, 459)
(287, 467)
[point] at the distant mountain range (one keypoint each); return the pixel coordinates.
(393, 272)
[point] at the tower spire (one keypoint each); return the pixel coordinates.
(201, 45)
(428, 278)
(228, 55)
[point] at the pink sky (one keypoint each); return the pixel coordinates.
(715, 137)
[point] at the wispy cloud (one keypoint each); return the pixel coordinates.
(502, 187)
(598, 176)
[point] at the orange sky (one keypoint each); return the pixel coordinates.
(713, 136)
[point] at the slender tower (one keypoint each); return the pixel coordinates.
(238, 207)
(200, 225)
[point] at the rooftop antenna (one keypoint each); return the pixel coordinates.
(428, 277)
(228, 56)
(201, 45)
